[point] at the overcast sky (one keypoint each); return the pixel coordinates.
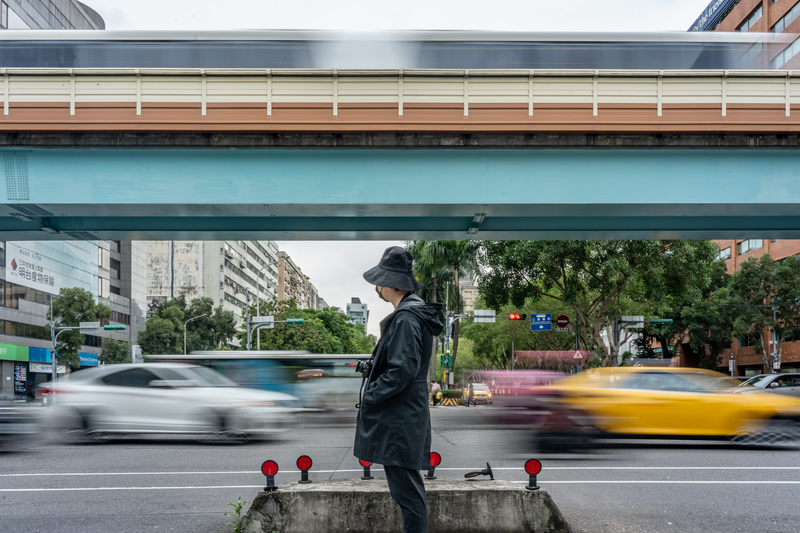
(335, 268)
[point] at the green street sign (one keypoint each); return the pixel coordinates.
(114, 327)
(664, 321)
(295, 321)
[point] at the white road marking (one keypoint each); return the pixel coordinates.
(376, 469)
(545, 483)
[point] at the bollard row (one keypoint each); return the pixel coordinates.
(270, 468)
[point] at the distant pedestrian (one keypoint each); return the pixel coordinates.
(393, 427)
(436, 392)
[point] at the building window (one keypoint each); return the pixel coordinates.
(784, 56)
(787, 19)
(725, 254)
(749, 245)
(3, 15)
(115, 290)
(752, 52)
(751, 20)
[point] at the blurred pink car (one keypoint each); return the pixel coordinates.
(515, 394)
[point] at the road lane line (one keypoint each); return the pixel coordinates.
(238, 472)
(544, 483)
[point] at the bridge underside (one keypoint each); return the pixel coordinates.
(400, 186)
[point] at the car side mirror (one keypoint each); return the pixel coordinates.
(773, 385)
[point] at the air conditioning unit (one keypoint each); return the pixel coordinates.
(242, 264)
(229, 254)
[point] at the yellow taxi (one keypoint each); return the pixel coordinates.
(661, 402)
(476, 393)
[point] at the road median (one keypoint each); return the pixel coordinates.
(358, 506)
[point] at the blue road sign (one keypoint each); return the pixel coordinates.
(542, 322)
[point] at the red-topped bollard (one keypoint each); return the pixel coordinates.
(435, 461)
(304, 464)
(532, 467)
(366, 465)
(269, 469)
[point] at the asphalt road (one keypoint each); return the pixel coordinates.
(173, 484)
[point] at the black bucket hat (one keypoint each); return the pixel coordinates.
(394, 271)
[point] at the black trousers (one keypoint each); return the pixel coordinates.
(407, 489)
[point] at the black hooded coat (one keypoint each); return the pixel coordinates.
(394, 424)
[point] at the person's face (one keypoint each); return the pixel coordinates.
(380, 290)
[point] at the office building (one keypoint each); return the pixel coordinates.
(358, 312)
(31, 273)
(50, 14)
(760, 16)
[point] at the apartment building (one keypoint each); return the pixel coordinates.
(231, 273)
(294, 285)
(358, 312)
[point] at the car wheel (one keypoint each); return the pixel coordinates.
(780, 432)
(223, 431)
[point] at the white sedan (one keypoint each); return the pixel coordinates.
(163, 398)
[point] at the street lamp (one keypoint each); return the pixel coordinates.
(258, 296)
(184, 330)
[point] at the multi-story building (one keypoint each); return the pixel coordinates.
(294, 285)
(52, 14)
(32, 273)
(358, 312)
(764, 16)
(231, 273)
(746, 361)
(469, 293)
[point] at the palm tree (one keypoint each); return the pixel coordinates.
(459, 257)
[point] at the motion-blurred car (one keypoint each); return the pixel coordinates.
(163, 398)
(480, 393)
(664, 402)
(18, 424)
(788, 384)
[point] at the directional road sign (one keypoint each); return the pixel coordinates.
(542, 322)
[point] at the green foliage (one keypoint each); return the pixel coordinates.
(70, 308)
(325, 331)
(115, 352)
(754, 289)
(590, 276)
(238, 522)
(163, 333)
(452, 393)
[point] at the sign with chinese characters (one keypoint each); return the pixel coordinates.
(48, 266)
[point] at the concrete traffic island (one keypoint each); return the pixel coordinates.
(356, 506)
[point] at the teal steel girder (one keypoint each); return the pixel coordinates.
(405, 194)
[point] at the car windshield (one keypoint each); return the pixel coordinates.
(480, 387)
(752, 381)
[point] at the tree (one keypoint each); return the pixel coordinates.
(590, 277)
(458, 256)
(163, 333)
(764, 296)
(115, 352)
(70, 308)
(325, 331)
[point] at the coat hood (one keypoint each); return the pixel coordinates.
(427, 313)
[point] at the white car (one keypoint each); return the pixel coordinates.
(163, 398)
(787, 384)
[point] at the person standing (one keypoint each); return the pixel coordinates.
(436, 391)
(393, 427)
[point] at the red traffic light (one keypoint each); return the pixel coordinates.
(517, 316)
(436, 459)
(364, 463)
(304, 462)
(533, 467)
(269, 468)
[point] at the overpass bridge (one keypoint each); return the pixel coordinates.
(106, 153)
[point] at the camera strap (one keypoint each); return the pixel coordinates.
(365, 379)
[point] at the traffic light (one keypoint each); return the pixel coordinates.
(517, 316)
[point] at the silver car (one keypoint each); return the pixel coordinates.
(162, 398)
(788, 384)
